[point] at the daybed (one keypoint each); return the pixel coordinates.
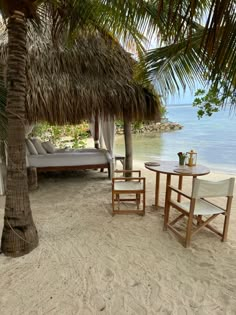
(44, 157)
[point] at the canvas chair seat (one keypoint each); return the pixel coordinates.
(202, 207)
(129, 185)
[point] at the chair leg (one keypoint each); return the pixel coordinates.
(138, 201)
(226, 221)
(199, 220)
(144, 202)
(225, 229)
(167, 209)
(113, 202)
(189, 230)
(118, 199)
(166, 215)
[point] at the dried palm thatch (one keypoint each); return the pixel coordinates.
(93, 76)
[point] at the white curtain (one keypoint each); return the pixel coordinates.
(106, 134)
(92, 130)
(28, 129)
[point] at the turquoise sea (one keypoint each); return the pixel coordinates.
(213, 138)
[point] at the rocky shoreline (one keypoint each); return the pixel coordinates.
(152, 127)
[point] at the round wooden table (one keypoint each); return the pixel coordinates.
(170, 168)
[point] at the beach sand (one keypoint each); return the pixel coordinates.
(89, 262)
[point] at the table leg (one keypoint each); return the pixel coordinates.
(157, 189)
(180, 185)
(168, 182)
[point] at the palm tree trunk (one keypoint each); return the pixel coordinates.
(19, 234)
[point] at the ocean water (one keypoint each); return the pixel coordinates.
(213, 138)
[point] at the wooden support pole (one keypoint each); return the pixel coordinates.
(128, 145)
(96, 132)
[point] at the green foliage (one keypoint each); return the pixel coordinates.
(74, 136)
(137, 125)
(119, 123)
(214, 99)
(163, 111)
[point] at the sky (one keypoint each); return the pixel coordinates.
(186, 97)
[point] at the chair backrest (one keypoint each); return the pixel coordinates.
(203, 188)
(127, 173)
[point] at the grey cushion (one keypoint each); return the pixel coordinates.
(48, 146)
(31, 147)
(38, 146)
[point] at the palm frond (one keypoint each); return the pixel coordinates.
(129, 21)
(174, 66)
(218, 43)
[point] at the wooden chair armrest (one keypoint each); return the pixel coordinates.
(127, 178)
(126, 171)
(179, 191)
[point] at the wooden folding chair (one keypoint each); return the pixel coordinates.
(196, 207)
(133, 187)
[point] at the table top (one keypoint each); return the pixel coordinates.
(173, 168)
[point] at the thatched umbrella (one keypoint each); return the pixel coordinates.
(95, 75)
(92, 77)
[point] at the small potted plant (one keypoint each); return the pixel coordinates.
(182, 156)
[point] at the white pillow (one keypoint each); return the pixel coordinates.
(38, 146)
(31, 148)
(49, 147)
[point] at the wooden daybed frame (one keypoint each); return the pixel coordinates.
(68, 161)
(74, 168)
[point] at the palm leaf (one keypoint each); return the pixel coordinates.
(174, 66)
(218, 42)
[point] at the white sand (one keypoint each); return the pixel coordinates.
(89, 262)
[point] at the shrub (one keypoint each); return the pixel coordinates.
(74, 136)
